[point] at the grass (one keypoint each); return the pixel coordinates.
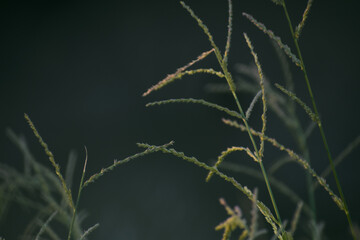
(58, 215)
(290, 120)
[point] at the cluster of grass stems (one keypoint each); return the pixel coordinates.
(281, 99)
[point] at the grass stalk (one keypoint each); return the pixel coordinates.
(52, 160)
(322, 132)
(268, 186)
(78, 197)
(223, 64)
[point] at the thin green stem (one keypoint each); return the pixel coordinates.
(298, 132)
(270, 192)
(78, 198)
(226, 73)
(319, 123)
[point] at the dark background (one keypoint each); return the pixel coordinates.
(78, 68)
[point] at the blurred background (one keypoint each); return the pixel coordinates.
(79, 68)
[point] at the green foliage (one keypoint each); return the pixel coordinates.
(40, 190)
(21, 188)
(285, 109)
(55, 204)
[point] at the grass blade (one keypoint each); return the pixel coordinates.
(296, 218)
(79, 195)
(252, 104)
(45, 225)
(352, 146)
(90, 230)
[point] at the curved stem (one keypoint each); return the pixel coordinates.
(322, 132)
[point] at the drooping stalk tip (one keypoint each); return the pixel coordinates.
(52, 160)
(277, 39)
